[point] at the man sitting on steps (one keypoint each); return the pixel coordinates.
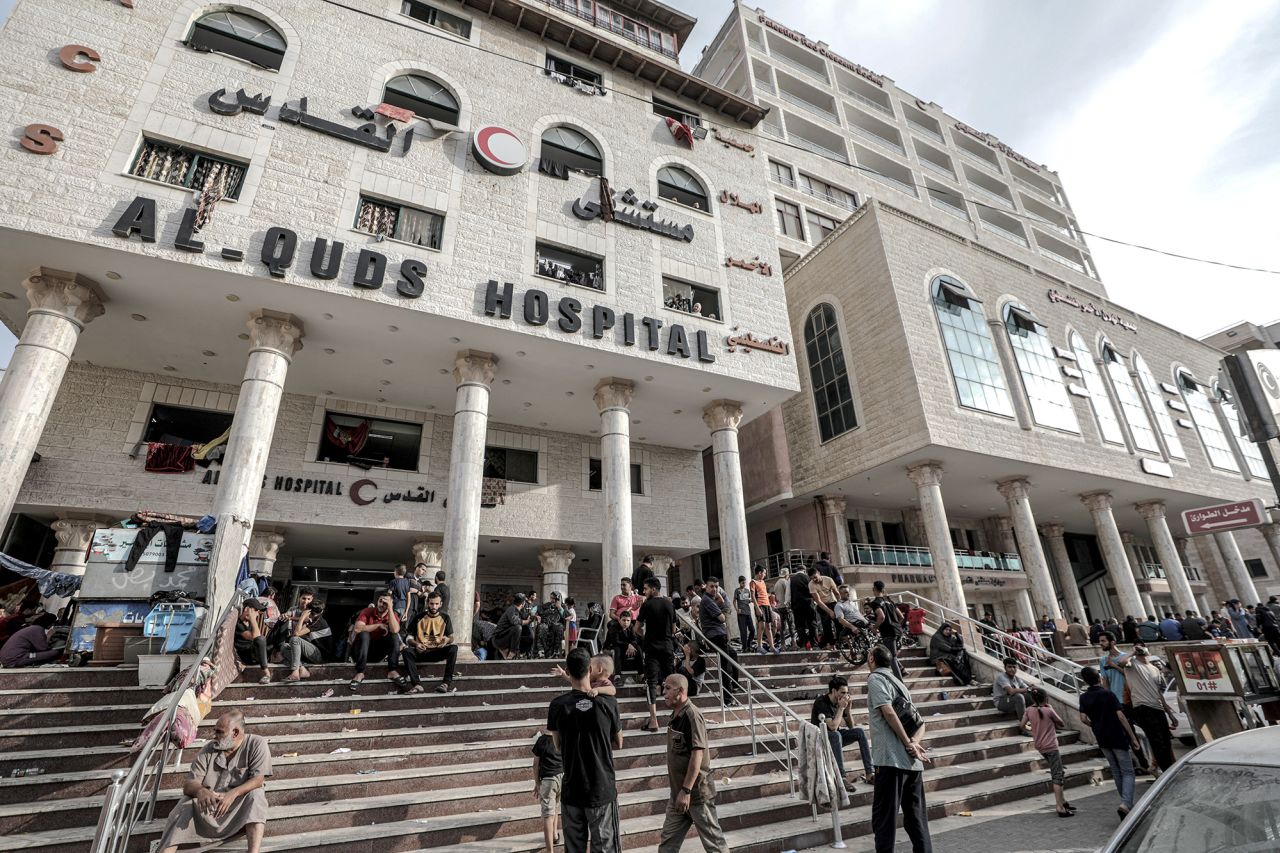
(224, 791)
(430, 640)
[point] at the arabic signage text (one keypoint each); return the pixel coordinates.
(727, 197)
(362, 492)
(568, 315)
(1215, 519)
(588, 209)
(746, 342)
(816, 48)
(1090, 308)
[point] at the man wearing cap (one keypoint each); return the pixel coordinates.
(251, 636)
(1151, 712)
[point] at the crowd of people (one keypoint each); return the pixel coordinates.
(1234, 620)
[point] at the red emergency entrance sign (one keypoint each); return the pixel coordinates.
(1215, 519)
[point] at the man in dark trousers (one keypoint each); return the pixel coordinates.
(802, 609)
(712, 621)
(898, 758)
(586, 729)
(889, 623)
(655, 625)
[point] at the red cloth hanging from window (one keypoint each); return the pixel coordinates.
(681, 131)
(350, 439)
(169, 458)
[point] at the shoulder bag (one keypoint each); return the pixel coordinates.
(905, 710)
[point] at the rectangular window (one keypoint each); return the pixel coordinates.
(595, 478)
(185, 167)
(1256, 568)
(569, 71)
(691, 298)
(825, 191)
(507, 463)
(419, 227)
(568, 266)
(664, 108)
(782, 173)
(788, 219)
(434, 17)
(179, 425)
(369, 442)
(819, 226)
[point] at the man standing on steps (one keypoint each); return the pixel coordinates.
(898, 757)
(693, 792)
(889, 623)
(802, 609)
(586, 729)
(655, 625)
(711, 619)
(782, 596)
(641, 575)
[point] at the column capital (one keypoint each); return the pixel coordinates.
(1052, 531)
(72, 532)
(474, 367)
(1128, 538)
(67, 294)
(834, 505)
(722, 414)
(926, 473)
(614, 393)
(661, 563)
(1014, 488)
(1150, 509)
(265, 544)
(555, 558)
(427, 550)
(1003, 523)
(275, 330)
(1096, 501)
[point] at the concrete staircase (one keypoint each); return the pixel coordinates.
(453, 772)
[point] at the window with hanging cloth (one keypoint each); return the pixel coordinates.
(212, 178)
(396, 222)
(369, 442)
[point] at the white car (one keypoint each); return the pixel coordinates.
(1223, 797)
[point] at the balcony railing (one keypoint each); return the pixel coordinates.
(801, 142)
(992, 196)
(1061, 229)
(1151, 570)
(772, 130)
(927, 131)
(847, 203)
(587, 15)
(792, 560)
(863, 99)
(862, 554)
(1003, 232)
(1038, 190)
(909, 189)
(800, 102)
(948, 207)
(757, 45)
(801, 67)
(938, 169)
(979, 160)
(766, 86)
(1066, 262)
(871, 135)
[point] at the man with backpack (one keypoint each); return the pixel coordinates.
(898, 755)
(889, 624)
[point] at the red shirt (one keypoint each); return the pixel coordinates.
(625, 602)
(371, 616)
(915, 620)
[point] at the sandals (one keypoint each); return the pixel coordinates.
(354, 684)
(265, 679)
(1067, 813)
(653, 730)
(446, 687)
(416, 688)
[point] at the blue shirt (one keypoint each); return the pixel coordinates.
(1240, 621)
(709, 618)
(1113, 676)
(1171, 629)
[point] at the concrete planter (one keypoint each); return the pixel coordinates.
(155, 670)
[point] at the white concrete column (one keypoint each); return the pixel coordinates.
(722, 418)
(1237, 571)
(1000, 337)
(1131, 552)
(1271, 533)
(428, 550)
(933, 513)
(72, 552)
(474, 372)
(613, 397)
(1026, 612)
(1017, 492)
(662, 564)
(62, 304)
(264, 545)
(1211, 566)
(1054, 534)
(1118, 568)
(1006, 541)
(836, 510)
(273, 339)
(555, 560)
(1153, 512)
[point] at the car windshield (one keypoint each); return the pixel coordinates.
(1207, 808)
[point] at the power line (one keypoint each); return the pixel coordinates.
(771, 140)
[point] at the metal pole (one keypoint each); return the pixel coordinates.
(107, 816)
(791, 775)
(837, 842)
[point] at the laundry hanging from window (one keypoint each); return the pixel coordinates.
(350, 439)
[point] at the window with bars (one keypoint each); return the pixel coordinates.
(1147, 382)
(437, 18)
(507, 463)
(572, 148)
(788, 218)
(691, 298)
(185, 167)
(670, 110)
(678, 185)
(971, 352)
(397, 222)
(1050, 405)
(572, 74)
(782, 173)
(1248, 449)
(424, 97)
(823, 190)
(595, 477)
(568, 266)
(1099, 398)
(1144, 436)
(242, 36)
(828, 373)
(819, 226)
(1217, 445)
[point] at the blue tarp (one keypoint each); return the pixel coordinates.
(50, 583)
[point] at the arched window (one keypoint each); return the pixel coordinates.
(427, 98)
(1155, 400)
(1217, 445)
(1108, 424)
(1050, 405)
(1249, 450)
(828, 373)
(676, 184)
(975, 366)
(1144, 437)
(239, 35)
(572, 148)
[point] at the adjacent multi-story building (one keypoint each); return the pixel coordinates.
(377, 282)
(960, 363)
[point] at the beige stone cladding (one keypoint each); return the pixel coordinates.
(149, 83)
(97, 422)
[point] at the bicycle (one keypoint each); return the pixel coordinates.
(854, 648)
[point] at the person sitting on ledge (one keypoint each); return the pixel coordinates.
(29, 646)
(224, 791)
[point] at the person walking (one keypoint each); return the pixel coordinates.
(782, 599)
(1150, 712)
(1043, 723)
(655, 628)
(763, 611)
(802, 609)
(548, 775)
(743, 605)
(899, 761)
(585, 729)
(693, 792)
(1104, 714)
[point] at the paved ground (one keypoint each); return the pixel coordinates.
(1026, 826)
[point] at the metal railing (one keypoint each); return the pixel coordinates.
(1065, 261)
(598, 21)
(804, 104)
(938, 169)
(792, 560)
(816, 148)
(1061, 229)
(863, 99)
(904, 186)
(1193, 574)
(1003, 232)
(1151, 570)
(948, 207)
(872, 136)
(862, 554)
(1038, 190)
(800, 66)
(133, 792)
(979, 160)
(765, 85)
(1003, 201)
(1041, 663)
(927, 131)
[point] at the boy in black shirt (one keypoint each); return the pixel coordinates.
(548, 773)
(657, 620)
(586, 729)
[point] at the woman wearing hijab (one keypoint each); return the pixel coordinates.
(946, 651)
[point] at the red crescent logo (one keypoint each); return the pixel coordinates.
(354, 493)
(483, 143)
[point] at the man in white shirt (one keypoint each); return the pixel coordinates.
(782, 595)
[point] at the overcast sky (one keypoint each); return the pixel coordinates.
(1161, 117)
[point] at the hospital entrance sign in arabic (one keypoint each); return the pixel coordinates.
(1232, 516)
